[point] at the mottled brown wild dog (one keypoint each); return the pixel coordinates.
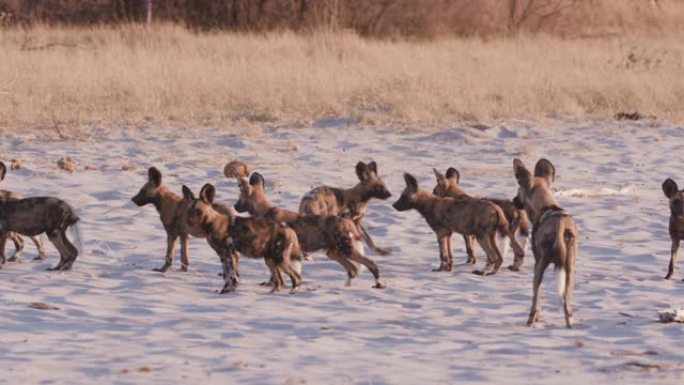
(16, 238)
(172, 212)
(554, 233)
(518, 225)
(253, 237)
(351, 202)
(338, 236)
(676, 227)
(37, 215)
(467, 216)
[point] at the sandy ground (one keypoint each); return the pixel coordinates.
(112, 319)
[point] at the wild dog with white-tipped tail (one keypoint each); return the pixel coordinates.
(469, 216)
(338, 236)
(554, 233)
(518, 225)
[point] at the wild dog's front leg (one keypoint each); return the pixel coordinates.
(442, 240)
(18, 246)
(229, 261)
(170, 245)
(184, 251)
(41, 248)
(469, 240)
(673, 257)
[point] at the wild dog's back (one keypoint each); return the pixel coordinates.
(36, 215)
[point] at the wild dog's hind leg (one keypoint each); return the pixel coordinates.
(3, 242)
(370, 264)
(277, 278)
(673, 257)
(567, 298)
(18, 246)
(56, 239)
(39, 245)
(350, 268)
(494, 259)
(540, 266)
(72, 251)
(518, 251)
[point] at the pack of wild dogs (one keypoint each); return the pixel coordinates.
(329, 219)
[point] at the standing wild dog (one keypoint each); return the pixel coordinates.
(253, 237)
(676, 227)
(466, 216)
(338, 236)
(448, 186)
(172, 212)
(554, 233)
(350, 202)
(16, 238)
(34, 216)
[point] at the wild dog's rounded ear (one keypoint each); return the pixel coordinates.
(438, 176)
(361, 170)
(452, 173)
(207, 193)
(3, 170)
(521, 173)
(187, 194)
(154, 176)
(545, 169)
(373, 167)
(410, 181)
(256, 180)
(670, 187)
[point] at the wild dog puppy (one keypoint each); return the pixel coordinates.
(350, 202)
(16, 238)
(554, 233)
(172, 212)
(466, 216)
(338, 236)
(448, 186)
(34, 216)
(253, 237)
(676, 227)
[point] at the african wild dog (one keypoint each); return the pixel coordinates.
(554, 233)
(172, 212)
(448, 186)
(339, 236)
(676, 227)
(253, 237)
(37, 215)
(351, 202)
(16, 238)
(466, 216)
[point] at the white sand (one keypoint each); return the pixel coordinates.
(119, 322)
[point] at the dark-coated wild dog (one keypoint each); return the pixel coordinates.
(37, 215)
(468, 216)
(518, 225)
(16, 238)
(253, 237)
(554, 233)
(338, 236)
(676, 227)
(172, 212)
(350, 202)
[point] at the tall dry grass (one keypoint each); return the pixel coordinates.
(168, 75)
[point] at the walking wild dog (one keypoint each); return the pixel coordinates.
(34, 216)
(172, 212)
(350, 202)
(338, 236)
(554, 233)
(676, 227)
(448, 186)
(466, 216)
(16, 238)
(253, 237)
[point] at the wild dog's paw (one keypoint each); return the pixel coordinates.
(379, 285)
(513, 268)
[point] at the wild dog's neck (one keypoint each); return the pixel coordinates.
(164, 197)
(356, 198)
(425, 201)
(541, 200)
(261, 207)
(455, 191)
(216, 224)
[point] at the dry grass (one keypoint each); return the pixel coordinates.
(77, 77)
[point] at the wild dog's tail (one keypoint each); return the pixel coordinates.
(501, 222)
(75, 230)
(567, 245)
